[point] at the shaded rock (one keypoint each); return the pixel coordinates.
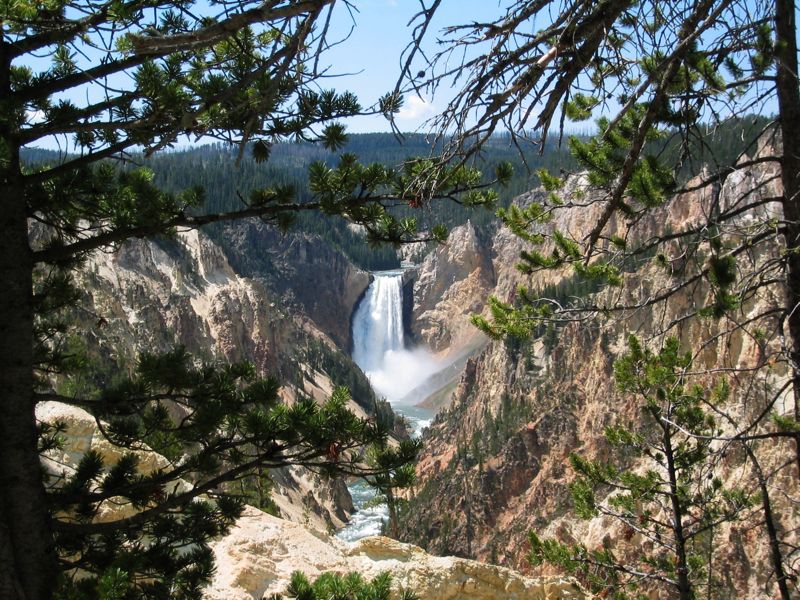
(305, 270)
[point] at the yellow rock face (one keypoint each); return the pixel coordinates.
(257, 558)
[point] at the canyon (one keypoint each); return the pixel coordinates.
(185, 290)
(496, 461)
(495, 464)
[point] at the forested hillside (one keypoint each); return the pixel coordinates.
(227, 184)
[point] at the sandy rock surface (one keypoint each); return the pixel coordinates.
(258, 556)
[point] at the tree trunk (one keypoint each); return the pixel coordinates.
(770, 523)
(789, 120)
(681, 563)
(391, 504)
(27, 560)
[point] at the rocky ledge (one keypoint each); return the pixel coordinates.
(259, 555)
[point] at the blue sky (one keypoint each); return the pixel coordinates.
(367, 59)
(366, 62)
(371, 55)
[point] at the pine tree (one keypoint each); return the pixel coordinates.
(113, 81)
(666, 82)
(352, 586)
(394, 471)
(672, 501)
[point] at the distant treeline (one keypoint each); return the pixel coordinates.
(227, 186)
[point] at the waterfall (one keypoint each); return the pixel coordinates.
(378, 322)
(394, 371)
(378, 342)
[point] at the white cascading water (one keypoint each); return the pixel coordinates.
(378, 322)
(393, 370)
(378, 341)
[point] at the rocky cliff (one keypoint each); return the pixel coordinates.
(152, 295)
(261, 552)
(495, 464)
(308, 275)
(258, 556)
(451, 283)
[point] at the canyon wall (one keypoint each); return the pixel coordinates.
(155, 294)
(304, 272)
(259, 554)
(450, 284)
(496, 461)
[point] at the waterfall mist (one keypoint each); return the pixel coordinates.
(378, 344)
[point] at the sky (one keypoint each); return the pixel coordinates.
(369, 60)
(366, 61)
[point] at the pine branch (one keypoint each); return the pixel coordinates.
(64, 32)
(107, 238)
(156, 45)
(77, 163)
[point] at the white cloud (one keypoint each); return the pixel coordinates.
(415, 109)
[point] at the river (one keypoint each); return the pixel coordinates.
(396, 373)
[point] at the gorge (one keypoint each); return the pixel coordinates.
(395, 373)
(496, 459)
(185, 290)
(208, 340)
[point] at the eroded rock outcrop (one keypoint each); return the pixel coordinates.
(152, 295)
(451, 283)
(257, 558)
(261, 552)
(495, 464)
(80, 435)
(304, 271)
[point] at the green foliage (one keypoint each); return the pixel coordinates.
(676, 81)
(511, 415)
(579, 107)
(506, 321)
(394, 470)
(256, 490)
(219, 423)
(721, 275)
(279, 173)
(548, 181)
(784, 423)
(651, 183)
(602, 576)
(671, 499)
(127, 81)
(332, 586)
(220, 427)
(535, 312)
(342, 371)
(207, 168)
